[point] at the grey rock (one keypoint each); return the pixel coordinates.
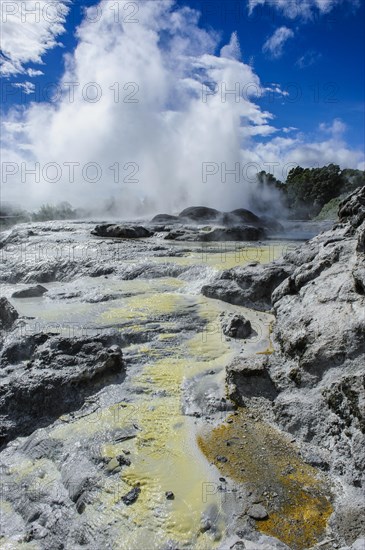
(47, 375)
(8, 314)
(361, 238)
(352, 208)
(236, 326)
(359, 544)
(212, 234)
(271, 224)
(131, 496)
(37, 448)
(315, 380)
(200, 214)
(227, 291)
(249, 377)
(238, 225)
(243, 216)
(236, 233)
(251, 286)
(121, 231)
(238, 217)
(257, 512)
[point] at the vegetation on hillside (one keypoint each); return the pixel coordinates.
(11, 215)
(307, 190)
(330, 209)
(62, 211)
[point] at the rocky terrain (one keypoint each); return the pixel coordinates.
(46, 375)
(313, 384)
(148, 395)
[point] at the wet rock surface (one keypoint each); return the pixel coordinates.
(210, 234)
(83, 415)
(121, 231)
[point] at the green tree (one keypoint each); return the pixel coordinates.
(309, 189)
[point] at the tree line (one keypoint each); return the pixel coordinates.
(307, 190)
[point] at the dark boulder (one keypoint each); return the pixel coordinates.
(238, 220)
(121, 231)
(165, 218)
(243, 216)
(236, 326)
(227, 291)
(131, 496)
(238, 233)
(30, 292)
(8, 314)
(200, 214)
(352, 208)
(179, 235)
(217, 234)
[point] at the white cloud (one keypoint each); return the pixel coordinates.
(232, 50)
(309, 58)
(29, 29)
(304, 9)
(276, 89)
(336, 129)
(274, 45)
(282, 153)
(288, 129)
(34, 72)
(27, 87)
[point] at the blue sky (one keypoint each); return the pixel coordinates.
(304, 59)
